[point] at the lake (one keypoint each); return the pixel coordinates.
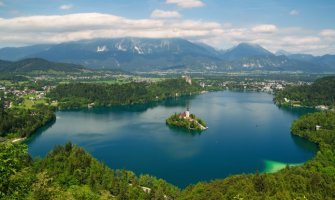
(247, 133)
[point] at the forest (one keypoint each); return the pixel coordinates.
(320, 92)
(79, 95)
(68, 172)
(18, 122)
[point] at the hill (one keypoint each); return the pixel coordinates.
(321, 92)
(37, 64)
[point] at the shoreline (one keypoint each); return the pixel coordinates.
(275, 166)
(16, 140)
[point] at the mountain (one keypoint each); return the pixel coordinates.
(244, 50)
(17, 53)
(301, 57)
(131, 53)
(247, 56)
(36, 64)
(140, 54)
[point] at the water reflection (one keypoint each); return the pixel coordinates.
(184, 131)
(304, 144)
(41, 130)
(181, 102)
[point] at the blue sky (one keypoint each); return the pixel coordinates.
(306, 26)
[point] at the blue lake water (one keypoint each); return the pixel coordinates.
(246, 130)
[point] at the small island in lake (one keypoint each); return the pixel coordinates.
(187, 121)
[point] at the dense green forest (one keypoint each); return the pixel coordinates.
(193, 123)
(321, 92)
(76, 95)
(19, 122)
(68, 172)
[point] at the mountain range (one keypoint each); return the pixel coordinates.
(139, 54)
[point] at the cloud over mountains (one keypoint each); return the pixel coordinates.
(163, 24)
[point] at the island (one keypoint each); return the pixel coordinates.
(187, 121)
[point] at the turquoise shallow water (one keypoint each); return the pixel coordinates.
(246, 130)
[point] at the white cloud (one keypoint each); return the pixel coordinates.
(264, 28)
(20, 31)
(294, 12)
(186, 3)
(295, 40)
(165, 14)
(66, 7)
(330, 33)
(62, 28)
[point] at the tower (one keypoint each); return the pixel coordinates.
(187, 112)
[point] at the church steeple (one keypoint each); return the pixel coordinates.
(187, 112)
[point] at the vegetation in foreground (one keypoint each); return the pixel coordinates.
(192, 123)
(68, 172)
(321, 92)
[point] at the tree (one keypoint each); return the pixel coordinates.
(13, 157)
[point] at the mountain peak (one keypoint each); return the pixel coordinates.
(282, 53)
(249, 45)
(246, 50)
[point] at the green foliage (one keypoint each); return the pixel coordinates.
(321, 92)
(76, 95)
(24, 122)
(69, 172)
(13, 158)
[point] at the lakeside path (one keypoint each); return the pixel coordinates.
(15, 140)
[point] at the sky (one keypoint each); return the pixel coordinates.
(296, 26)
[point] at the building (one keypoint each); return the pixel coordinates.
(185, 114)
(187, 79)
(317, 127)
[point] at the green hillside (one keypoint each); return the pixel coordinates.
(321, 92)
(36, 64)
